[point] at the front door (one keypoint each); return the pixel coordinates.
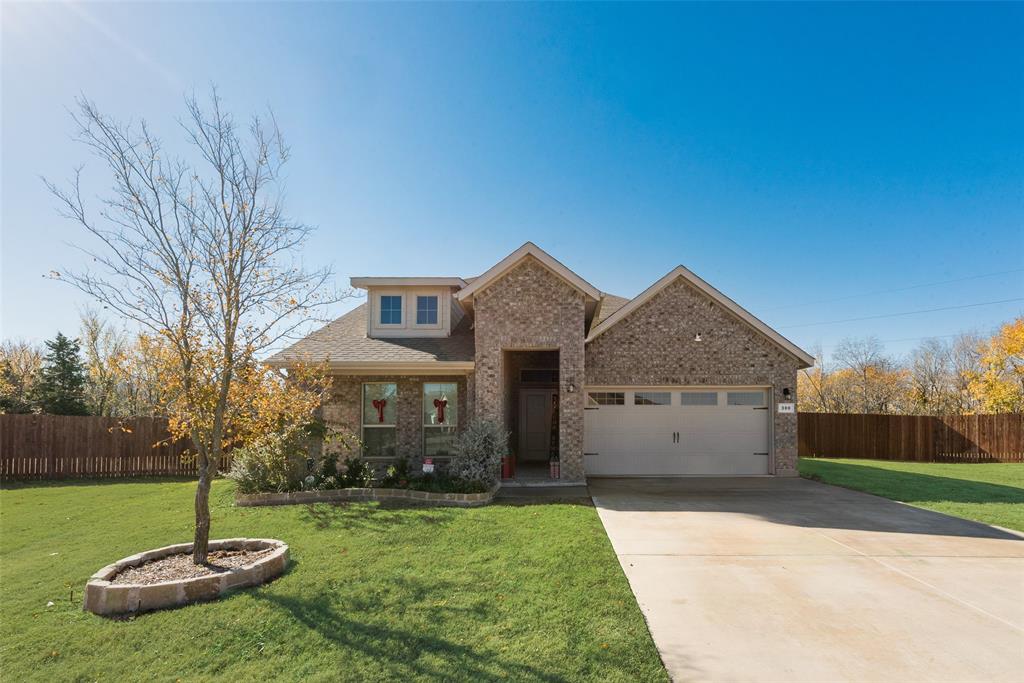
(536, 410)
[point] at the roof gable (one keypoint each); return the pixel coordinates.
(510, 261)
(727, 303)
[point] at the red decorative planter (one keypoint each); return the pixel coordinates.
(508, 467)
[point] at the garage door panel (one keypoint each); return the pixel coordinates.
(637, 440)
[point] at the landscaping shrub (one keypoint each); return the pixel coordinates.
(479, 449)
(358, 474)
(397, 476)
(273, 463)
(442, 483)
(329, 468)
(281, 462)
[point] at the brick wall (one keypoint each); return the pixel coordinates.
(530, 308)
(655, 345)
(344, 410)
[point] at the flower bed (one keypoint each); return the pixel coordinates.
(366, 494)
(105, 595)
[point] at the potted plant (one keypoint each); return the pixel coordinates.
(508, 466)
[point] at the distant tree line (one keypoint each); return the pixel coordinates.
(965, 375)
(101, 371)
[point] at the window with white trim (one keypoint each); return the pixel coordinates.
(426, 310)
(391, 309)
(652, 398)
(380, 410)
(440, 418)
(698, 398)
(745, 398)
(606, 398)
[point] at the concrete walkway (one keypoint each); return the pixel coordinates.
(764, 579)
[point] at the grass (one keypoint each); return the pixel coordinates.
(992, 493)
(523, 593)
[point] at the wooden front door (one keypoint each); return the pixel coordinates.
(535, 417)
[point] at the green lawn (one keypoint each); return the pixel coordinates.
(992, 493)
(522, 593)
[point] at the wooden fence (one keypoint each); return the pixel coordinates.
(65, 446)
(952, 438)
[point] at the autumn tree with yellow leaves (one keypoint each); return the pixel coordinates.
(999, 385)
(199, 253)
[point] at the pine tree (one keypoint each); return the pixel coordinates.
(60, 388)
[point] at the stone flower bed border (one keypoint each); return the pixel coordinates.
(106, 598)
(465, 500)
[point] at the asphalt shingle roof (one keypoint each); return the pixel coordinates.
(345, 340)
(609, 304)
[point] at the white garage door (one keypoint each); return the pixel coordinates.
(675, 432)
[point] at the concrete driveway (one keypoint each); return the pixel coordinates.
(762, 579)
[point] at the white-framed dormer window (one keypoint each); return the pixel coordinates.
(409, 312)
(426, 310)
(391, 309)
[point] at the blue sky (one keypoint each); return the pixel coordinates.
(801, 158)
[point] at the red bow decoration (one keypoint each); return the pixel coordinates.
(440, 404)
(379, 404)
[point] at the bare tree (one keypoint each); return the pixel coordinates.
(820, 389)
(103, 346)
(932, 378)
(965, 359)
(201, 255)
(878, 381)
(140, 390)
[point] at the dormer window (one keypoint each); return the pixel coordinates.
(397, 308)
(426, 310)
(391, 310)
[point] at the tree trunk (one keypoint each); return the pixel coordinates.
(200, 545)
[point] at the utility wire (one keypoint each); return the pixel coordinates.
(896, 315)
(892, 341)
(897, 289)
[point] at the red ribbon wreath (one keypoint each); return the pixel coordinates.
(379, 404)
(440, 404)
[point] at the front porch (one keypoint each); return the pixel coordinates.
(531, 395)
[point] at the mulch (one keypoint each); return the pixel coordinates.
(180, 566)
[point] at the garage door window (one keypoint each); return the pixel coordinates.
(652, 398)
(698, 398)
(746, 398)
(606, 398)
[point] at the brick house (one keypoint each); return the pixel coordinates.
(677, 381)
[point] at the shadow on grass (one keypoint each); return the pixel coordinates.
(373, 516)
(400, 653)
(912, 486)
(60, 483)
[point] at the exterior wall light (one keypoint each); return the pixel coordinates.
(786, 393)
(571, 388)
(697, 337)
